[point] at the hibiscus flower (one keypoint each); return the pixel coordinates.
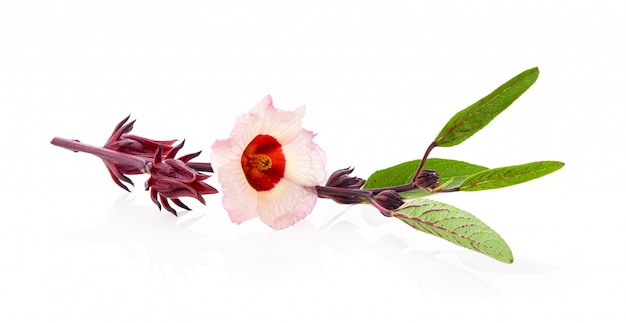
(269, 167)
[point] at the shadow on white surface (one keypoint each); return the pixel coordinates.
(293, 254)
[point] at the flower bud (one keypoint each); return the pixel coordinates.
(341, 179)
(389, 199)
(427, 179)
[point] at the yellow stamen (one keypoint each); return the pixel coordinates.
(261, 162)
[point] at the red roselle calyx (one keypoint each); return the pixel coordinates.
(125, 154)
(122, 141)
(171, 179)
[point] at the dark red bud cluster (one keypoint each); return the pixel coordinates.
(172, 178)
(124, 142)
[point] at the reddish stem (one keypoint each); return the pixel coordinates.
(201, 167)
(76, 146)
(423, 161)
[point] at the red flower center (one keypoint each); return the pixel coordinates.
(263, 162)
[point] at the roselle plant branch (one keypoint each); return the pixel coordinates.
(262, 176)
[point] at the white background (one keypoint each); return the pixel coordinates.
(379, 79)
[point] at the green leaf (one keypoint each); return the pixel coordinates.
(454, 225)
(451, 173)
(473, 118)
(507, 176)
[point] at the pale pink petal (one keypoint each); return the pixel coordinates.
(246, 128)
(224, 151)
(262, 105)
(240, 199)
(306, 161)
(282, 125)
(286, 204)
(265, 119)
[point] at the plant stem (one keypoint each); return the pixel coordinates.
(118, 157)
(341, 191)
(201, 167)
(423, 161)
(77, 146)
(324, 191)
(399, 188)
